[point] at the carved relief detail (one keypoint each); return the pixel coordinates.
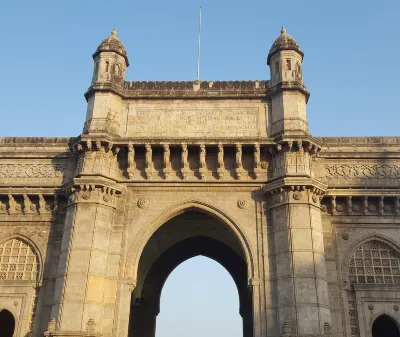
(33, 170)
(220, 165)
(185, 163)
(149, 161)
(202, 159)
(242, 203)
(143, 203)
(239, 165)
(362, 171)
(167, 161)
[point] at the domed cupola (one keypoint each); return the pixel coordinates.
(286, 87)
(284, 42)
(110, 61)
(112, 44)
(285, 60)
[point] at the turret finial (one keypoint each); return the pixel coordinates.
(114, 32)
(283, 30)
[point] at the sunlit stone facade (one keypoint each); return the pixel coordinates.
(91, 226)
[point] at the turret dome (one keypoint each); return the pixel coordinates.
(112, 44)
(284, 42)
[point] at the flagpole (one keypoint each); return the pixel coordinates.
(198, 50)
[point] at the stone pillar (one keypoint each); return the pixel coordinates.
(86, 283)
(294, 210)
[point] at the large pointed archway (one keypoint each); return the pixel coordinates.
(187, 235)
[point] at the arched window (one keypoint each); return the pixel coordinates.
(375, 262)
(385, 326)
(7, 323)
(107, 66)
(18, 261)
(118, 69)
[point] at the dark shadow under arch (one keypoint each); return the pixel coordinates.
(223, 248)
(385, 326)
(7, 323)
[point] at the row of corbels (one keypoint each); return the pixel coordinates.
(85, 192)
(149, 168)
(346, 205)
(297, 188)
(291, 145)
(28, 206)
(301, 145)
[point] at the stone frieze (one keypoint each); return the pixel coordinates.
(33, 170)
(348, 171)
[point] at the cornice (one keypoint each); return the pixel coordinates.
(183, 90)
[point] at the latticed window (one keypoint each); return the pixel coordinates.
(18, 261)
(375, 262)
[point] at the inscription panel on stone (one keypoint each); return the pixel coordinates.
(194, 122)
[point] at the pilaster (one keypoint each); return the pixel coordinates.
(86, 282)
(302, 290)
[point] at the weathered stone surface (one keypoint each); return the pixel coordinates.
(91, 226)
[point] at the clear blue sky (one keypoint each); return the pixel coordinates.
(351, 68)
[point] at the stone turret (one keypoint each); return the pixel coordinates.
(103, 97)
(287, 90)
(110, 60)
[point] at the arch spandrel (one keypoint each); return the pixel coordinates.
(145, 233)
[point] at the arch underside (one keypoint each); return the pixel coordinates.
(187, 235)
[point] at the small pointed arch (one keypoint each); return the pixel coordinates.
(137, 246)
(7, 323)
(117, 69)
(107, 66)
(20, 259)
(374, 259)
(385, 325)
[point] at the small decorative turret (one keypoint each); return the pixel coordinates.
(285, 60)
(286, 87)
(104, 99)
(110, 60)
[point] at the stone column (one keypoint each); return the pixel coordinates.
(86, 283)
(294, 210)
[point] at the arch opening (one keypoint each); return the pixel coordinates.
(385, 326)
(199, 298)
(7, 323)
(189, 234)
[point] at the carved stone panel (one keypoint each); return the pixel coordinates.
(193, 121)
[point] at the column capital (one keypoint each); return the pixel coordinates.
(296, 190)
(93, 190)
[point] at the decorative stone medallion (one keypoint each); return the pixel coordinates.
(345, 236)
(242, 203)
(396, 308)
(143, 203)
(296, 195)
